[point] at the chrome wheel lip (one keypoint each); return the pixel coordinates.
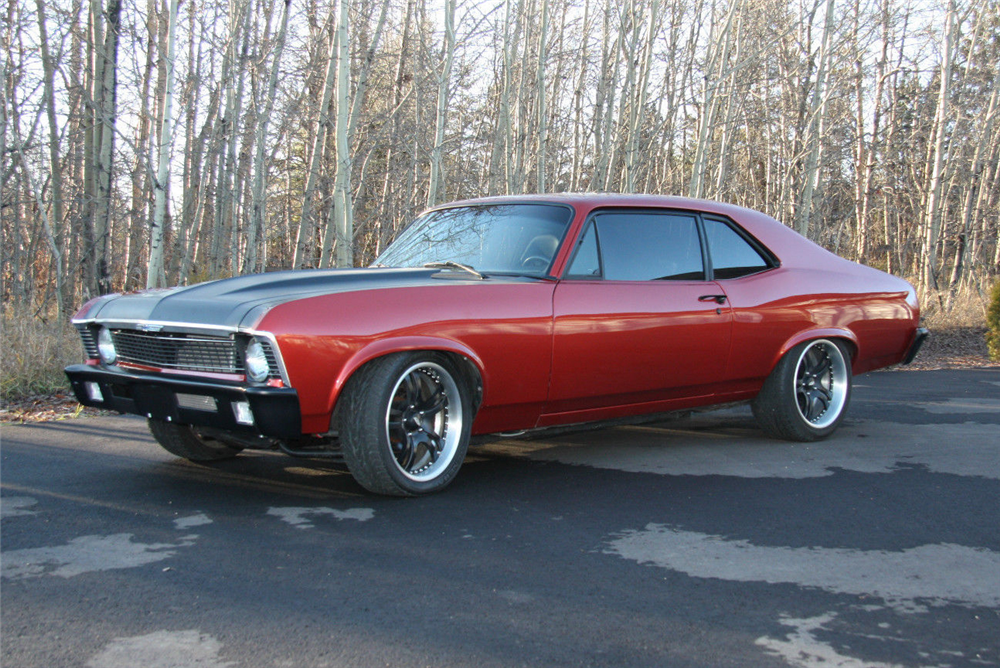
(408, 429)
(829, 376)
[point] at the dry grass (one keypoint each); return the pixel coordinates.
(966, 308)
(958, 331)
(34, 354)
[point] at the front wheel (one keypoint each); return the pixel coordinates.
(806, 395)
(184, 441)
(405, 423)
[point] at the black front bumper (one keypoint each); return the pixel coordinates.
(275, 409)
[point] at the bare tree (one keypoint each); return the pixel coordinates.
(936, 181)
(441, 115)
(104, 26)
(817, 116)
(260, 141)
(155, 276)
(311, 137)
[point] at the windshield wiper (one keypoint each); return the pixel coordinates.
(448, 264)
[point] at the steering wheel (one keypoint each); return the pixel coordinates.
(535, 263)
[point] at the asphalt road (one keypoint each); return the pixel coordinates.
(688, 543)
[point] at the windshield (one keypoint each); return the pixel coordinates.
(492, 238)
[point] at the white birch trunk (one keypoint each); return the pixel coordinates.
(936, 182)
(323, 126)
(259, 190)
(975, 196)
(155, 276)
(580, 142)
(105, 102)
(54, 225)
(714, 77)
(444, 92)
(540, 92)
(639, 103)
(343, 223)
(44, 213)
(811, 171)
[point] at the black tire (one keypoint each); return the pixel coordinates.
(807, 393)
(184, 441)
(405, 421)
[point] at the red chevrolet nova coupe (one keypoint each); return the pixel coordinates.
(501, 315)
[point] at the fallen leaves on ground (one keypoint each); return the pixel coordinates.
(953, 348)
(45, 408)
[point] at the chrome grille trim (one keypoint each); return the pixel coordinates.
(232, 340)
(178, 351)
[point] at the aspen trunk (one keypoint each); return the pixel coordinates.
(580, 142)
(155, 276)
(323, 127)
(342, 252)
(102, 138)
(260, 166)
(53, 225)
(540, 94)
(974, 190)
(44, 214)
(934, 206)
(817, 114)
(710, 100)
(441, 117)
(387, 221)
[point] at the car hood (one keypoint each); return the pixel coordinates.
(238, 302)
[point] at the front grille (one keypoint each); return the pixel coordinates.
(186, 352)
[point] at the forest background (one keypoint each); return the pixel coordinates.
(161, 142)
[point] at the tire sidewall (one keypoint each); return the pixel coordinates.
(776, 407)
(387, 377)
(817, 433)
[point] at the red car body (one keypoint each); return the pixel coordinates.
(552, 349)
(559, 352)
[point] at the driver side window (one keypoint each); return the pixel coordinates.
(640, 246)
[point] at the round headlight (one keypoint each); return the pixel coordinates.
(256, 362)
(106, 346)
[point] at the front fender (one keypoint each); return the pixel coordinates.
(402, 344)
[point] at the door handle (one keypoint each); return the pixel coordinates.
(718, 299)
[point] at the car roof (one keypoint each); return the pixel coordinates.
(585, 202)
(785, 243)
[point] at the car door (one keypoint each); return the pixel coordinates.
(766, 312)
(635, 320)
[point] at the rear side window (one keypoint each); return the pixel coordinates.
(646, 246)
(732, 255)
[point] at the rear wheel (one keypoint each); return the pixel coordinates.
(184, 441)
(807, 393)
(405, 422)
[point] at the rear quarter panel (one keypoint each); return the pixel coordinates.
(815, 294)
(776, 310)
